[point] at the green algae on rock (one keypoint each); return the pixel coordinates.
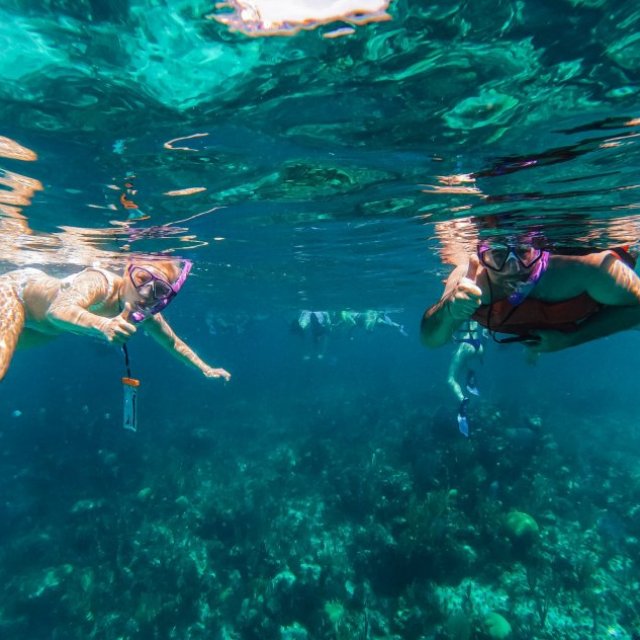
(521, 525)
(497, 626)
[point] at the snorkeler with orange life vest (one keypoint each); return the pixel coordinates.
(522, 292)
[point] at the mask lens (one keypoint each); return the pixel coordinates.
(148, 284)
(527, 254)
(495, 256)
(161, 289)
(140, 277)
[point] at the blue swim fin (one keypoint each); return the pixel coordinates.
(463, 423)
(463, 426)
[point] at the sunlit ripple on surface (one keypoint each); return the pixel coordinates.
(320, 135)
(259, 18)
(23, 244)
(580, 194)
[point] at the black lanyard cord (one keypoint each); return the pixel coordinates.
(126, 360)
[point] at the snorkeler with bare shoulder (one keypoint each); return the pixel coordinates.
(35, 307)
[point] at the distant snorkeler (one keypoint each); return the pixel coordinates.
(35, 307)
(469, 353)
(317, 324)
(368, 319)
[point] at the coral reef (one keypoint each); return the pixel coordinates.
(288, 532)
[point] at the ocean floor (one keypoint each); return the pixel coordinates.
(381, 522)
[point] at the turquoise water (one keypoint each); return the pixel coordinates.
(325, 491)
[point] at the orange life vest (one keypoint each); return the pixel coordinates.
(532, 314)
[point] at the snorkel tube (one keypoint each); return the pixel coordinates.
(525, 288)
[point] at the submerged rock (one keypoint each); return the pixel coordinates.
(497, 626)
(521, 526)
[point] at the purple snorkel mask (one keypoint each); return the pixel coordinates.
(158, 290)
(531, 259)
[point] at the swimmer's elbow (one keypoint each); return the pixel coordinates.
(54, 316)
(58, 314)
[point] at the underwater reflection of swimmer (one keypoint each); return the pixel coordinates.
(22, 245)
(16, 192)
(260, 18)
(35, 306)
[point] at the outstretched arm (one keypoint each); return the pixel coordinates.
(158, 328)
(605, 323)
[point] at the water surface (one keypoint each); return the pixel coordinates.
(324, 492)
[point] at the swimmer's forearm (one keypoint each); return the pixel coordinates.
(187, 355)
(164, 335)
(605, 323)
(75, 319)
(438, 325)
